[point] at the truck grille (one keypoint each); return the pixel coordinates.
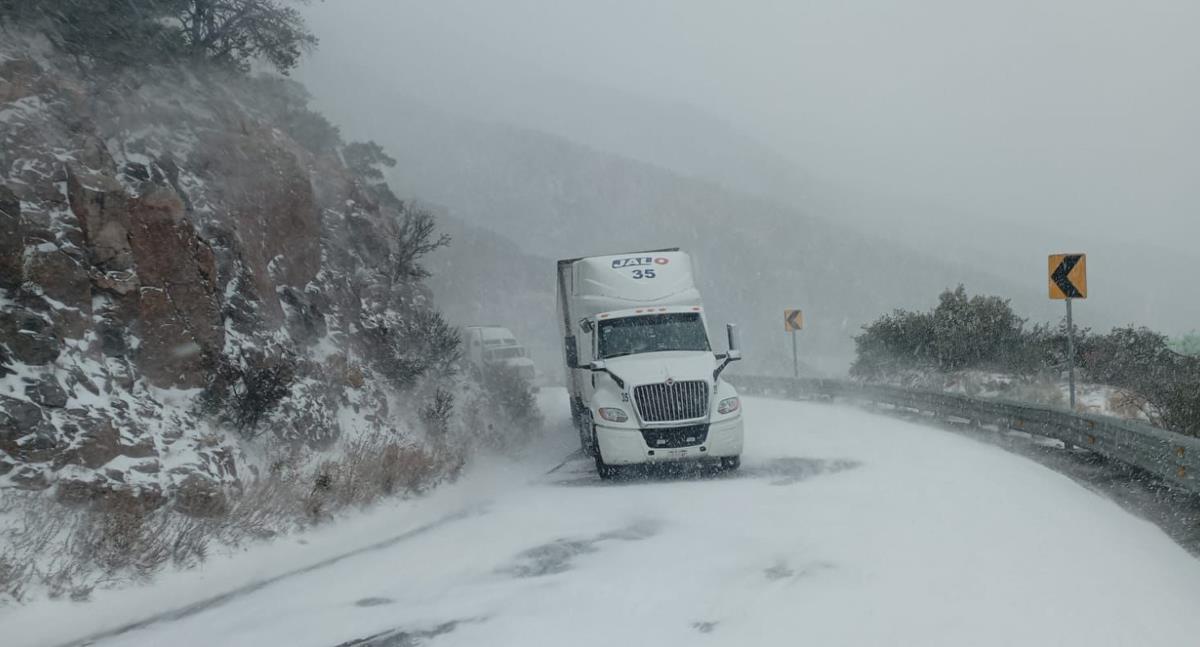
(675, 437)
(672, 401)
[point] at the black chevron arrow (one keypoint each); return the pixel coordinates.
(791, 319)
(1062, 272)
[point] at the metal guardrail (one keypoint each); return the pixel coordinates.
(1172, 457)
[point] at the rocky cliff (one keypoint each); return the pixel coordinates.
(190, 278)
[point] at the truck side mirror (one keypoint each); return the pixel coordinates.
(601, 366)
(735, 342)
(734, 353)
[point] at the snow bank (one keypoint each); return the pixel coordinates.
(843, 528)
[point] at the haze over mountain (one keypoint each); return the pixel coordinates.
(556, 198)
(990, 136)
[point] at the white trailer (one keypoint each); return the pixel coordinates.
(644, 383)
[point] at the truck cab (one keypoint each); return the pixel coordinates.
(644, 381)
(489, 347)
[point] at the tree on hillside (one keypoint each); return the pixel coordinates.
(117, 32)
(415, 239)
(235, 32)
(366, 161)
(230, 33)
(287, 102)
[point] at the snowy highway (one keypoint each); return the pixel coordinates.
(842, 528)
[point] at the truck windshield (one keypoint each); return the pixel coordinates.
(652, 333)
(506, 353)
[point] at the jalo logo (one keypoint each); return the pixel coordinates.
(638, 261)
(632, 261)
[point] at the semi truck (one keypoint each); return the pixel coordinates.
(643, 380)
(489, 347)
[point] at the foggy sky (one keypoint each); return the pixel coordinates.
(997, 128)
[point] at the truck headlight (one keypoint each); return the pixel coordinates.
(612, 414)
(729, 405)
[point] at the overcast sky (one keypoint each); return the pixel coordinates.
(1076, 120)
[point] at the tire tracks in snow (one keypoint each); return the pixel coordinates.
(247, 589)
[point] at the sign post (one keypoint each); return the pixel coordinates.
(1068, 281)
(793, 320)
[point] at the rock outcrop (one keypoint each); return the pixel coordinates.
(169, 244)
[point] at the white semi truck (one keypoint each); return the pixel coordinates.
(644, 382)
(494, 346)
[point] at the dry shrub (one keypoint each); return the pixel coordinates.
(67, 551)
(1133, 406)
(437, 412)
(375, 466)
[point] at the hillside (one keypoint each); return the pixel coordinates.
(756, 257)
(212, 309)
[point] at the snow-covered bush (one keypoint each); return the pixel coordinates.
(242, 394)
(981, 334)
(1189, 344)
(1142, 363)
(978, 332)
(406, 347)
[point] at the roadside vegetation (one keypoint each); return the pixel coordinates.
(1189, 344)
(1153, 375)
(231, 34)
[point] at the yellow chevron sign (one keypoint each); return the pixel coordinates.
(1068, 276)
(793, 320)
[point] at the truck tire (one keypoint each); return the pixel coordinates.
(576, 411)
(587, 433)
(607, 472)
(592, 446)
(731, 463)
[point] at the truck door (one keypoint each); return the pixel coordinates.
(587, 352)
(579, 351)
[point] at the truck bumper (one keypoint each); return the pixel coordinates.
(622, 446)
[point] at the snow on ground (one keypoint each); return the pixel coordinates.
(842, 528)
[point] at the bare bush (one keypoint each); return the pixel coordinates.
(513, 396)
(68, 552)
(407, 348)
(414, 240)
(501, 414)
(376, 466)
(437, 412)
(243, 394)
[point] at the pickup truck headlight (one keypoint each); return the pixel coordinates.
(612, 414)
(729, 405)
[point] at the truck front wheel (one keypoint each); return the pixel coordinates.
(607, 472)
(587, 434)
(576, 411)
(731, 463)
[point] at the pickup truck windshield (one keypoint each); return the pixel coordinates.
(652, 333)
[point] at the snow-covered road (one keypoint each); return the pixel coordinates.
(843, 528)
